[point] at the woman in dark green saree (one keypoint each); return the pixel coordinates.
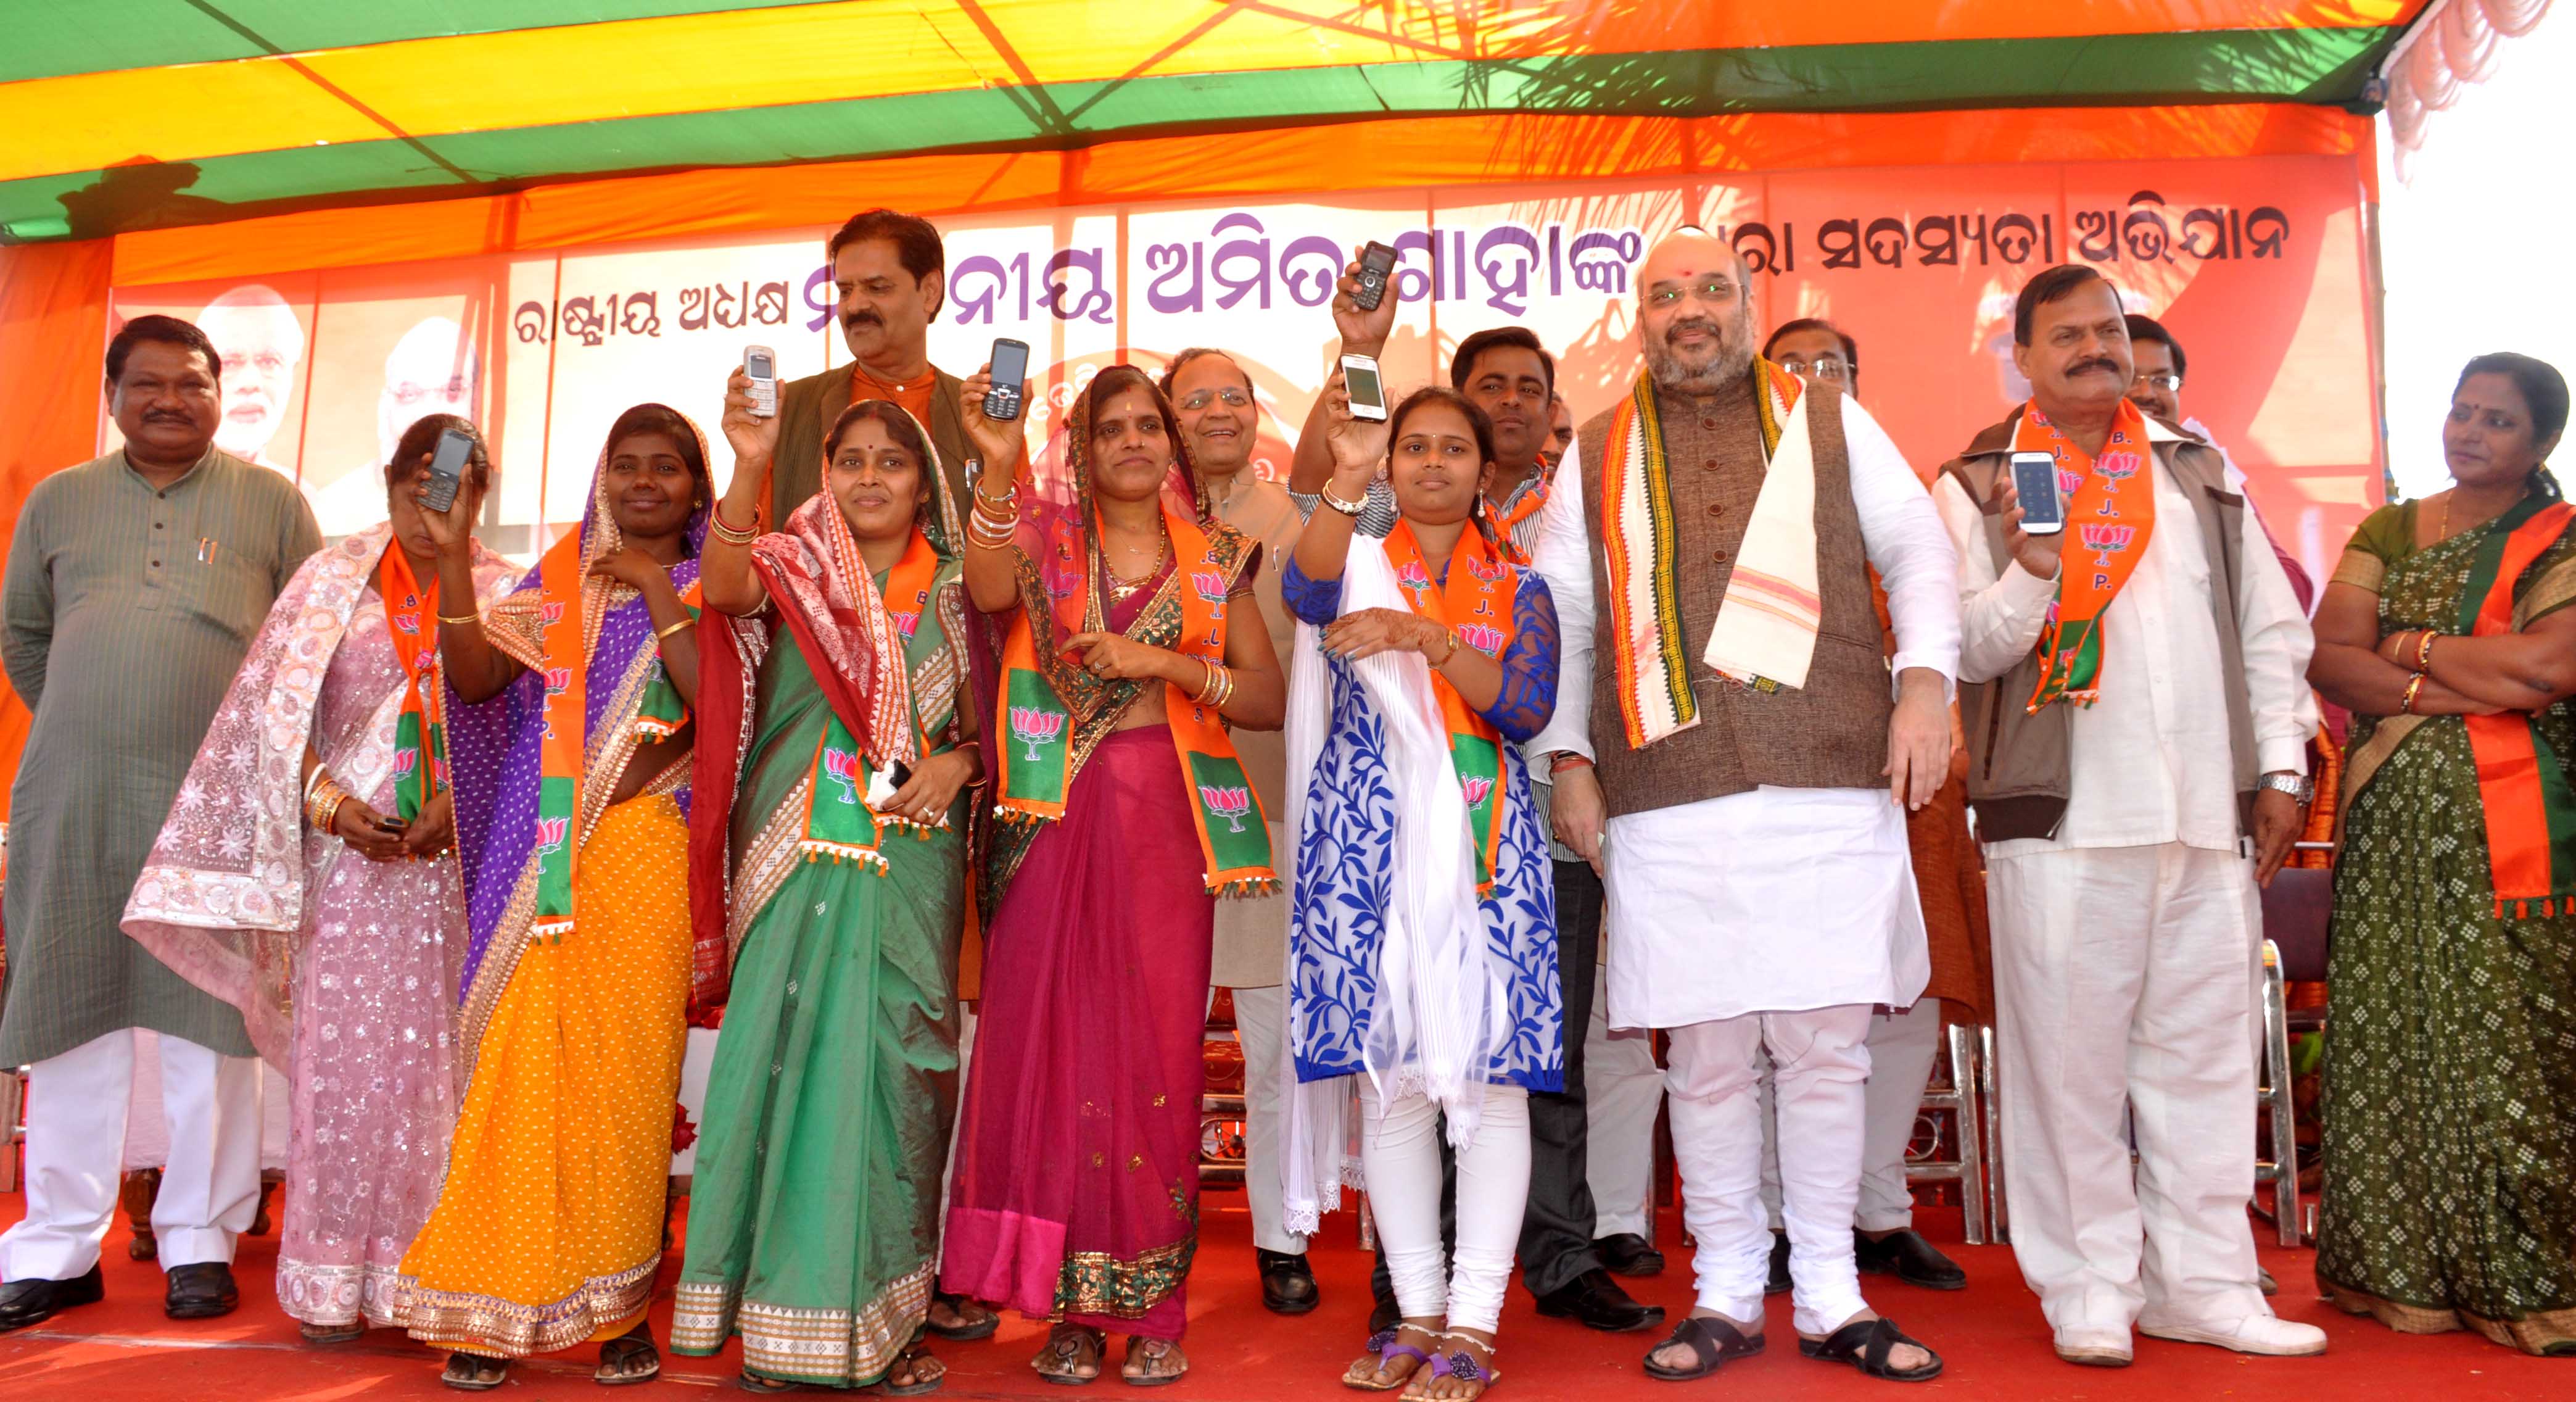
(813, 1220)
(2450, 1079)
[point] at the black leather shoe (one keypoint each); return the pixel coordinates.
(29, 1302)
(1626, 1253)
(1287, 1282)
(1595, 1301)
(1908, 1257)
(202, 1291)
(1779, 1283)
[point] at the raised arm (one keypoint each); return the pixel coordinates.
(725, 577)
(1362, 333)
(474, 667)
(1356, 448)
(991, 565)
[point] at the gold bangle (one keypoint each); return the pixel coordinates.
(2407, 706)
(659, 634)
(460, 620)
(2424, 652)
(1445, 657)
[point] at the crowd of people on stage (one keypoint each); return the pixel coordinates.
(954, 771)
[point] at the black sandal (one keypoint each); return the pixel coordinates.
(1865, 1344)
(1712, 1342)
(961, 1333)
(467, 1372)
(909, 1360)
(626, 1348)
(1064, 1348)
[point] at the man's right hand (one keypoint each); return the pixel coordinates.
(754, 439)
(2037, 554)
(1363, 333)
(1576, 811)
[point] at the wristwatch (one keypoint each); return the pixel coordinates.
(2301, 789)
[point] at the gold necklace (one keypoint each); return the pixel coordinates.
(1122, 589)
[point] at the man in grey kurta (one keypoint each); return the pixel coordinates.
(134, 586)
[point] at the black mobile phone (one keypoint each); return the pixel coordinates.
(1377, 264)
(386, 822)
(447, 468)
(1010, 372)
(2035, 482)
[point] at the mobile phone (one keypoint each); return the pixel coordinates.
(882, 786)
(1367, 390)
(1010, 371)
(761, 364)
(1377, 263)
(447, 468)
(2035, 482)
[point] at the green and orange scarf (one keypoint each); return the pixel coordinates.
(2522, 782)
(1476, 602)
(420, 732)
(2110, 515)
(839, 822)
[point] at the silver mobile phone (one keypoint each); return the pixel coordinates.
(2035, 482)
(447, 468)
(1367, 389)
(761, 364)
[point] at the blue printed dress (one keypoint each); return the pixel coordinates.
(1345, 870)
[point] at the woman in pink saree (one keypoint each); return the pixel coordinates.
(1123, 815)
(342, 946)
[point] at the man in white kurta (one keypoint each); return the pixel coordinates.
(1760, 895)
(2124, 841)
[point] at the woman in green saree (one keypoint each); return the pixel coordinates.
(2450, 1080)
(839, 883)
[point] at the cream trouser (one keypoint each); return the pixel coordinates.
(1902, 1046)
(1261, 1027)
(1820, 1060)
(1622, 1090)
(2120, 983)
(76, 1112)
(1400, 1153)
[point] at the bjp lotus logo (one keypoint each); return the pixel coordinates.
(550, 833)
(1483, 639)
(406, 764)
(1034, 726)
(1412, 575)
(904, 623)
(558, 680)
(2106, 540)
(407, 621)
(1478, 788)
(842, 768)
(1232, 802)
(2069, 481)
(1211, 585)
(1487, 570)
(2116, 468)
(550, 613)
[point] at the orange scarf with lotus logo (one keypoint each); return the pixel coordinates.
(2110, 515)
(1475, 602)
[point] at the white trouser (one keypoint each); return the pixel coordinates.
(2120, 978)
(1622, 1090)
(1400, 1153)
(967, 1022)
(1821, 1060)
(1902, 1046)
(1261, 1028)
(76, 1110)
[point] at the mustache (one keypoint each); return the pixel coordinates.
(166, 416)
(1694, 323)
(2096, 362)
(862, 318)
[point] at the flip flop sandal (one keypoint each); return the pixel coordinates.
(962, 1333)
(474, 1378)
(753, 1382)
(615, 1354)
(1460, 1364)
(1383, 1345)
(1865, 1344)
(329, 1334)
(1712, 1342)
(1137, 1347)
(1065, 1350)
(919, 1386)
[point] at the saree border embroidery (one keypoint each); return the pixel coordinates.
(766, 863)
(833, 1347)
(371, 1291)
(1096, 1282)
(2530, 1334)
(445, 1317)
(2360, 569)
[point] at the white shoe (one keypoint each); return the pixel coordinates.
(2255, 1333)
(2094, 1348)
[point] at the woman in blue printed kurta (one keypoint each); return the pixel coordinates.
(1427, 658)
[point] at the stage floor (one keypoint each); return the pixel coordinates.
(1991, 1334)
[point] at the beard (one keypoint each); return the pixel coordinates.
(1728, 360)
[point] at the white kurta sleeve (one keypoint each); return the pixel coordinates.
(1564, 560)
(2276, 641)
(1999, 616)
(1908, 546)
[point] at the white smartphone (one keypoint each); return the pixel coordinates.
(761, 364)
(2035, 482)
(1367, 388)
(881, 787)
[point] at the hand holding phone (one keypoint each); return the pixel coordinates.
(2034, 478)
(447, 469)
(760, 364)
(1377, 264)
(1367, 390)
(1002, 402)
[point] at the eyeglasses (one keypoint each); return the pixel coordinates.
(1714, 290)
(1229, 394)
(1824, 367)
(2168, 382)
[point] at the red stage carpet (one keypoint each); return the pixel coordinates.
(1990, 1333)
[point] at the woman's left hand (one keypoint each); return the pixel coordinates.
(926, 797)
(1372, 631)
(1114, 656)
(632, 568)
(431, 832)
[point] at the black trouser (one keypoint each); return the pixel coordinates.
(1556, 1229)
